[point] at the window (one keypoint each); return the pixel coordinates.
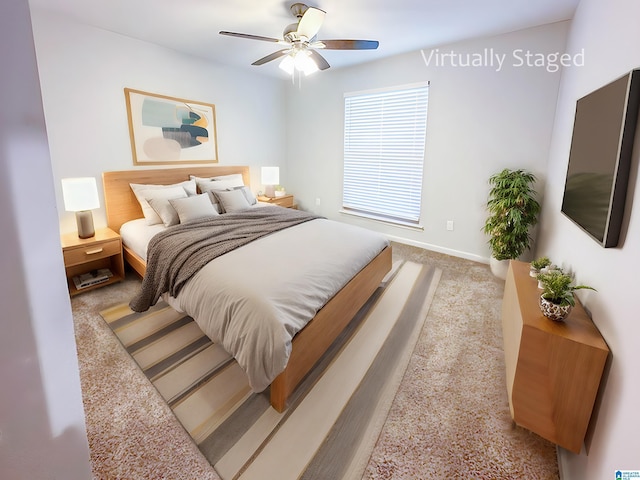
(384, 139)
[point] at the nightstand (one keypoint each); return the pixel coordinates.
(87, 255)
(284, 201)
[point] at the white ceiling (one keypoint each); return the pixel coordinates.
(192, 26)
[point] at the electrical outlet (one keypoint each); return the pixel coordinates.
(318, 201)
(450, 225)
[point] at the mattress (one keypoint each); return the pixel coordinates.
(136, 234)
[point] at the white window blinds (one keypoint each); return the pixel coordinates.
(384, 139)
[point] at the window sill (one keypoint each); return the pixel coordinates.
(395, 223)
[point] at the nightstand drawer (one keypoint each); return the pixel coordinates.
(91, 252)
(285, 201)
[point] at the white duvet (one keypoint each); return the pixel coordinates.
(254, 299)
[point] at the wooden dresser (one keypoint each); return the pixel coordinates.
(553, 368)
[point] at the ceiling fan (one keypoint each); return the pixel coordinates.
(301, 43)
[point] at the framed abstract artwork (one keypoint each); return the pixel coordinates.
(166, 130)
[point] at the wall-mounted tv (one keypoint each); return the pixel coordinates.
(600, 158)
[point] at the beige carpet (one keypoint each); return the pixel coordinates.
(449, 419)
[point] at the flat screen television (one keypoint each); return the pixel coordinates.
(600, 158)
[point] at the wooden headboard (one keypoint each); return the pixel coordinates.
(120, 202)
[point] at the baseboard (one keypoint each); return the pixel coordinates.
(560, 466)
(435, 248)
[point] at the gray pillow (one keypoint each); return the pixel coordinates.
(251, 198)
(193, 208)
(165, 211)
(232, 200)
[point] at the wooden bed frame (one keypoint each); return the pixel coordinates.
(317, 336)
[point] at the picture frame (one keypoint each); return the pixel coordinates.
(167, 130)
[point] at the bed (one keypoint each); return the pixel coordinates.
(308, 344)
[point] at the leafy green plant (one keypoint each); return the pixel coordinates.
(513, 209)
(540, 263)
(557, 287)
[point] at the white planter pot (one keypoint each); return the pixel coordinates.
(499, 267)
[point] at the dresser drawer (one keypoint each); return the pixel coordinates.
(74, 256)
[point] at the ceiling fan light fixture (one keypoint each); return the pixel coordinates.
(299, 61)
(304, 63)
(288, 64)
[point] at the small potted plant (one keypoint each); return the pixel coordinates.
(280, 191)
(538, 264)
(556, 299)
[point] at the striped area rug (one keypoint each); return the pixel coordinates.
(333, 419)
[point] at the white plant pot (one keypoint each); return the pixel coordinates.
(499, 267)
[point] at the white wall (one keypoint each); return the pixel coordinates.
(83, 72)
(480, 121)
(609, 33)
(42, 429)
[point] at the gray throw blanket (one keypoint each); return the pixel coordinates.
(177, 253)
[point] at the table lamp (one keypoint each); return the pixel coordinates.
(270, 178)
(81, 196)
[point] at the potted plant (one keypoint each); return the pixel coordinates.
(513, 209)
(556, 299)
(280, 191)
(538, 264)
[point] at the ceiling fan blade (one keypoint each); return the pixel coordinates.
(346, 44)
(310, 22)
(251, 37)
(273, 56)
(319, 59)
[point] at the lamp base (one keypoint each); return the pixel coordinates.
(269, 191)
(84, 219)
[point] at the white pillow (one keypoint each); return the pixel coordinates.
(208, 186)
(232, 200)
(161, 196)
(193, 208)
(150, 215)
(236, 178)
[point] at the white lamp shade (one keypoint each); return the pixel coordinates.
(80, 194)
(270, 175)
